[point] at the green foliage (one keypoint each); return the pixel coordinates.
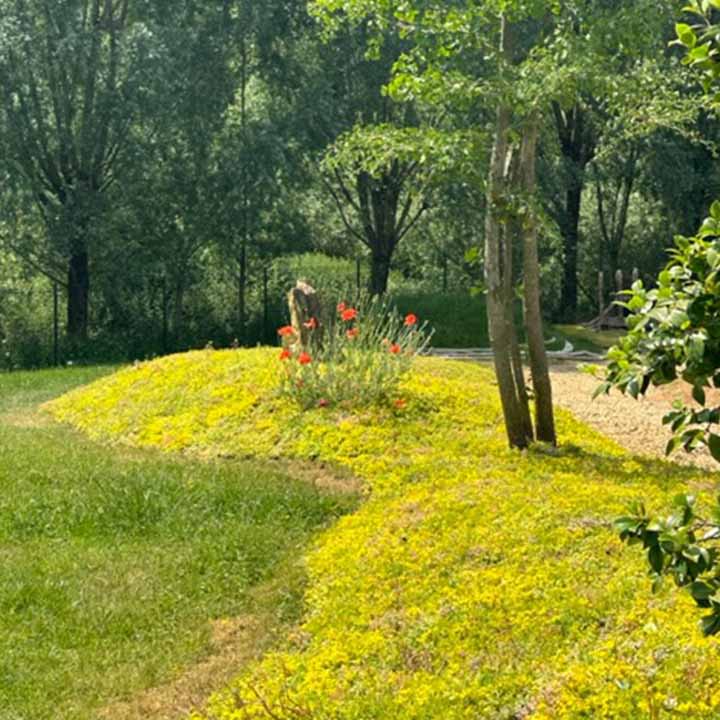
(356, 359)
(682, 546)
(674, 332)
(458, 320)
(115, 563)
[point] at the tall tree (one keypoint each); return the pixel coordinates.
(441, 68)
(73, 78)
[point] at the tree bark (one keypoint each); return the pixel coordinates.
(571, 240)
(577, 145)
(542, 386)
(242, 290)
(379, 273)
(498, 300)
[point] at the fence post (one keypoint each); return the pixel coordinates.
(601, 293)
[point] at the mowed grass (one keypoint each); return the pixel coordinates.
(459, 320)
(113, 563)
(585, 338)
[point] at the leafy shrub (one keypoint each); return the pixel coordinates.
(682, 546)
(674, 332)
(358, 358)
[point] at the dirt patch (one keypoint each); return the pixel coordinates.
(28, 418)
(634, 424)
(235, 642)
(323, 477)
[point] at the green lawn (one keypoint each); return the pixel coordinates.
(583, 338)
(114, 562)
(459, 320)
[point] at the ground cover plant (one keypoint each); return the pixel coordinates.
(474, 582)
(114, 563)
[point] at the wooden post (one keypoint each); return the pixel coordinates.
(635, 275)
(619, 281)
(601, 293)
(306, 315)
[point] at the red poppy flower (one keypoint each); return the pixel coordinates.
(323, 403)
(286, 331)
(400, 404)
(311, 324)
(411, 320)
(395, 349)
(285, 354)
(304, 359)
(353, 333)
(341, 307)
(349, 314)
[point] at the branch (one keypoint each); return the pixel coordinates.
(341, 208)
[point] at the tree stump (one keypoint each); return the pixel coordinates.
(305, 315)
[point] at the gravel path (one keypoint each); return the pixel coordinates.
(635, 424)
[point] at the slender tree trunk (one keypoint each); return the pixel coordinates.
(542, 386)
(577, 144)
(571, 240)
(78, 293)
(511, 231)
(242, 293)
(495, 257)
(379, 273)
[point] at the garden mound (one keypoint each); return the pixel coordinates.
(473, 582)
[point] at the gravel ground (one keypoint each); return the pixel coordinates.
(635, 424)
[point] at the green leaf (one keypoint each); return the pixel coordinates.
(686, 35)
(713, 442)
(698, 394)
(656, 558)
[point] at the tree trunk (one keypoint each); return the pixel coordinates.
(571, 239)
(78, 294)
(242, 288)
(542, 386)
(497, 294)
(577, 144)
(379, 273)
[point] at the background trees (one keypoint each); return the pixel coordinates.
(160, 163)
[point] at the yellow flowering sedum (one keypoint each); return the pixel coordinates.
(474, 582)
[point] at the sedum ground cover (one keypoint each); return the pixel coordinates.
(114, 562)
(472, 583)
